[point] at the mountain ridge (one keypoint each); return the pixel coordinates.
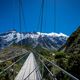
(48, 40)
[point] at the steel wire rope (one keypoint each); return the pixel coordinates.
(39, 19)
(41, 22)
(70, 75)
(20, 25)
(42, 11)
(54, 15)
(23, 18)
(54, 31)
(47, 69)
(20, 22)
(21, 37)
(12, 58)
(45, 66)
(31, 73)
(13, 64)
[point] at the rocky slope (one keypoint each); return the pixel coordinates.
(46, 40)
(73, 43)
(69, 55)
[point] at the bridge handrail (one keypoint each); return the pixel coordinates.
(12, 64)
(11, 58)
(57, 66)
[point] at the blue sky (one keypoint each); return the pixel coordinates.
(67, 15)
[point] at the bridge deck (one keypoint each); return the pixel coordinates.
(30, 70)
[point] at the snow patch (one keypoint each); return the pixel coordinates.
(53, 34)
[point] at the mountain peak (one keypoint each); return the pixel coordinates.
(48, 40)
(53, 34)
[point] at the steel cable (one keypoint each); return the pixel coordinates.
(65, 72)
(13, 64)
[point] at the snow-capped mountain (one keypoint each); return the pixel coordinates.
(45, 40)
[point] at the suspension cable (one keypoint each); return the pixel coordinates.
(42, 9)
(20, 21)
(70, 75)
(31, 72)
(54, 15)
(22, 17)
(58, 67)
(13, 64)
(12, 58)
(46, 67)
(41, 19)
(23, 14)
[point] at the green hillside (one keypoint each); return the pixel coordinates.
(68, 57)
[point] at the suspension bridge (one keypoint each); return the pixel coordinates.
(34, 66)
(31, 68)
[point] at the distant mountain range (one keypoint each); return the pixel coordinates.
(46, 40)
